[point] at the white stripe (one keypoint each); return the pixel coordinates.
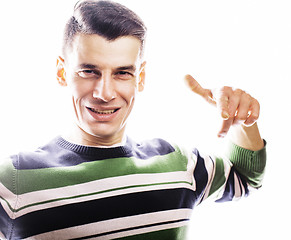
(129, 181)
(10, 197)
(227, 168)
(103, 185)
(192, 161)
(120, 224)
(210, 168)
(219, 192)
(7, 194)
(237, 188)
(7, 209)
(1, 235)
(242, 187)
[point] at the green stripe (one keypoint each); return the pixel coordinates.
(219, 177)
(179, 233)
(8, 204)
(40, 179)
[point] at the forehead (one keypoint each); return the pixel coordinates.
(94, 49)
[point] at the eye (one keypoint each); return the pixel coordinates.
(124, 75)
(88, 73)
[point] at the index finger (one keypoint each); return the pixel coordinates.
(194, 85)
(198, 89)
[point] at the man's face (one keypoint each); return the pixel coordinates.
(104, 77)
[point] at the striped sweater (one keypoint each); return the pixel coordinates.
(137, 191)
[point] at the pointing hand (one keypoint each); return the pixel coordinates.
(235, 105)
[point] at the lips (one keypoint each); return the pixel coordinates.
(103, 114)
(103, 111)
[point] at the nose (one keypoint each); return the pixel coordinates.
(104, 89)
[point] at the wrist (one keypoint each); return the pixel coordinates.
(247, 137)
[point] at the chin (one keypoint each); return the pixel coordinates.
(105, 132)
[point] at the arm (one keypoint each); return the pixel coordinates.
(246, 157)
(233, 176)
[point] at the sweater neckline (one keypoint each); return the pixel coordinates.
(90, 150)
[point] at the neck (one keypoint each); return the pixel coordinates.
(80, 137)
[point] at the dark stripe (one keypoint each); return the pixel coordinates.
(200, 175)
(5, 222)
(244, 183)
(148, 149)
(102, 209)
(229, 188)
(60, 153)
(132, 228)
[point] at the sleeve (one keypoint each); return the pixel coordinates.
(8, 196)
(233, 176)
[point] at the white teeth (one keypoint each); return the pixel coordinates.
(102, 111)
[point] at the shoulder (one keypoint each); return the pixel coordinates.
(7, 164)
(155, 147)
(8, 174)
(41, 157)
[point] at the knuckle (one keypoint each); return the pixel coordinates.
(242, 115)
(241, 118)
(255, 116)
(238, 92)
(226, 89)
(249, 97)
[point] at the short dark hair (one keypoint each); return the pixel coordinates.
(108, 19)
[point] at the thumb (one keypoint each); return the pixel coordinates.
(196, 88)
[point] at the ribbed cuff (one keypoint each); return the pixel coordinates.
(251, 164)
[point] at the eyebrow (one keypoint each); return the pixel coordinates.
(127, 68)
(122, 68)
(88, 66)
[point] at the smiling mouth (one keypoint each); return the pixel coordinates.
(111, 111)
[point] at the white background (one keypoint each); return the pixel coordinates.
(244, 44)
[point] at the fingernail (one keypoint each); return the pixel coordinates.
(221, 135)
(225, 115)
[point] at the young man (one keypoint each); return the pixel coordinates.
(95, 183)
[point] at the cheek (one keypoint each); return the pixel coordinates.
(127, 91)
(79, 89)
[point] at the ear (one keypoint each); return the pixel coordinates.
(141, 77)
(61, 74)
